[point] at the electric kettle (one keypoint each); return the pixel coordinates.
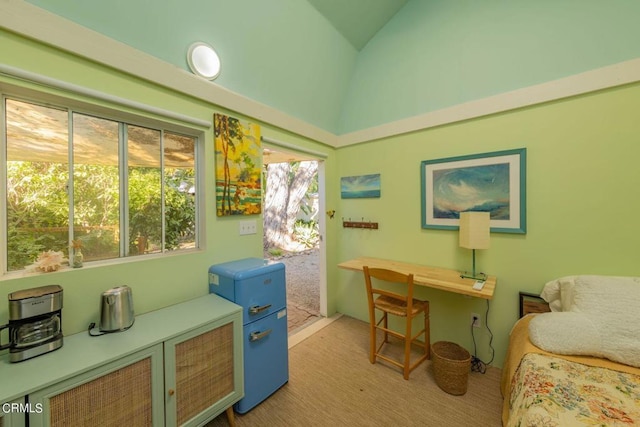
(116, 311)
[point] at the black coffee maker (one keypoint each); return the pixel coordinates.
(35, 322)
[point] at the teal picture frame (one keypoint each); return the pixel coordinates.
(492, 182)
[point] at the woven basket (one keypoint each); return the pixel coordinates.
(451, 366)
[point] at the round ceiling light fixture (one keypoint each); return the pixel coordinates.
(203, 60)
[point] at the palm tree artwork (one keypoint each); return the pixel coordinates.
(238, 172)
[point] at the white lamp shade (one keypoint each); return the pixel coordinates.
(474, 230)
(203, 60)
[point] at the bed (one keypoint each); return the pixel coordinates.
(598, 386)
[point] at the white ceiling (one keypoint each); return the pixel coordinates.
(358, 20)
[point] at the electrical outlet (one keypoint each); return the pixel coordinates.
(248, 227)
(475, 320)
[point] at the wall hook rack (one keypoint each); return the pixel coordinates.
(360, 224)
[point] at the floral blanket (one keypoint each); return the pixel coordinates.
(549, 391)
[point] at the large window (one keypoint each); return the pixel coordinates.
(117, 188)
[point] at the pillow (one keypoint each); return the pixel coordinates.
(561, 293)
(554, 290)
(606, 294)
(565, 333)
(587, 335)
(598, 318)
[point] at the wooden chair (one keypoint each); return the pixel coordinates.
(400, 304)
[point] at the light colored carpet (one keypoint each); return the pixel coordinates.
(332, 383)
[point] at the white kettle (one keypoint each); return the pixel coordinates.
(116, 309)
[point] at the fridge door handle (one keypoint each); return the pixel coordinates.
(257, 309)
(256, 336)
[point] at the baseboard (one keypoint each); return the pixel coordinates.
(306, 332)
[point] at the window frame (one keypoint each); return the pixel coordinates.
(74, 103)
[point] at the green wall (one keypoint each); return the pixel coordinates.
(157, 282)
(582, 207)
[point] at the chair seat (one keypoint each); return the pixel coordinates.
(399, 307)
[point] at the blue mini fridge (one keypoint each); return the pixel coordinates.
(259, 287)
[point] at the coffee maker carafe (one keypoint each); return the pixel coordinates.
(35, 322)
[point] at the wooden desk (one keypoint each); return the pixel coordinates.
(432, 277)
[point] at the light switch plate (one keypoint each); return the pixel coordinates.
(248, 227)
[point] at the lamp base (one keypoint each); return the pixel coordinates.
(481, 276)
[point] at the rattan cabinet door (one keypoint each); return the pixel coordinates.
(13, 414)
(203, 373)
(127, 392)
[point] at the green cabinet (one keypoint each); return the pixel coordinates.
(201, 376)
(127, 391)
(177, 366)
(13, 414)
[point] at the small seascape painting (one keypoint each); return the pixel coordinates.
(360, 187)
(488, 182)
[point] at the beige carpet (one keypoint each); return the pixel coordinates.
(332, 383)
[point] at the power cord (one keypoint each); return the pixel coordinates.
(90, 330)
(92, 325)
(477, 365)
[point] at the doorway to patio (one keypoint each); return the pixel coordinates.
(304, 252)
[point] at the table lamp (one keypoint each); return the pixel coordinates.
(474, 234)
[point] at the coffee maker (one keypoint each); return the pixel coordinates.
(35, 322)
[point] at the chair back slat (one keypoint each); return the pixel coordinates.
(390, 276)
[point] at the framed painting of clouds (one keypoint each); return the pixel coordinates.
(490, 182)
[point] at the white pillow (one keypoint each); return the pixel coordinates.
(587, 335)
(603, 294)
(592, 290)
(558, 292)
(565, 333)
(598, 318)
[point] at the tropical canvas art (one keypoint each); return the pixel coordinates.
(238, 173)
(362, 186)
(488, 182)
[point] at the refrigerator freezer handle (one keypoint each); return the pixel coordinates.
(256, 336)
(257, 309)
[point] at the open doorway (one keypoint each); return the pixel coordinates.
(302, 251)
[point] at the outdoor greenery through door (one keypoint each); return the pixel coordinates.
(290, 187)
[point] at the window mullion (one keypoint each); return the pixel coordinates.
(124, 189)
(162, 194)
(70, 193)
(4, 232)
(198, 161)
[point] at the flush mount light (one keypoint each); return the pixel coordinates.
(203, 60)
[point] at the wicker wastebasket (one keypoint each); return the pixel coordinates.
(451, 366)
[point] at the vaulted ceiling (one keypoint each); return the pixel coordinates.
(358, 20)
(351, 70)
